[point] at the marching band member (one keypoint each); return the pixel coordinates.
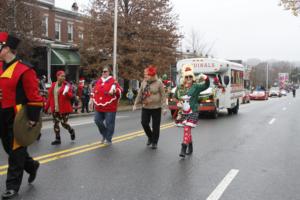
(18, 87)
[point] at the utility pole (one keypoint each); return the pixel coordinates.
(267, 81)
(115, 41)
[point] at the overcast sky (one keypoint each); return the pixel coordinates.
(237, 29)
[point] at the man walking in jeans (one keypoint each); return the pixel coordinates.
(106, 95)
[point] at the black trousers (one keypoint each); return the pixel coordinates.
(155, 115)
(85, 104)
(18, 158)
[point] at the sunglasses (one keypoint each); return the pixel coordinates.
(188, 77)
(104, 71)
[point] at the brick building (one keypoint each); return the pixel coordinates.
(62, 33)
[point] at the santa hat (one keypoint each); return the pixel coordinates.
(60, 72)
(8, 40)
(151, 70)
(188, 70)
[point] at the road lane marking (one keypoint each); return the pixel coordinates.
(217, 193)
(284, 108)
(88, 147)
(272, 121)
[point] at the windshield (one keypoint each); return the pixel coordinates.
(211, 78)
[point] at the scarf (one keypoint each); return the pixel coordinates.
(146, 91)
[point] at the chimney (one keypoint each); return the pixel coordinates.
(75, 7)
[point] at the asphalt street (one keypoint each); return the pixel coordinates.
(250, 156)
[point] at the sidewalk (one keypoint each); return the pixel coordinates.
(79, 114)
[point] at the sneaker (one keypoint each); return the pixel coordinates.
(9, 194)
(108, 143)
(102, 141)
(154, 146)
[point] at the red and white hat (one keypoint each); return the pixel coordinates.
(188, 70)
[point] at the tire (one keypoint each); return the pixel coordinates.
(229, 110)
(235, 110)
(215, 113)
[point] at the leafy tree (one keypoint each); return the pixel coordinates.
(147, 34)
(22, 18)
(293, 5)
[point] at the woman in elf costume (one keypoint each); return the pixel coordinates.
(187, 94)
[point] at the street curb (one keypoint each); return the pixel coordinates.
(120, 109)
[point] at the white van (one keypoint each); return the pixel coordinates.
(226, 85)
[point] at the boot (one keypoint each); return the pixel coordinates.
(190, 149)
(56, 141)
(183, 150)
(72, 134)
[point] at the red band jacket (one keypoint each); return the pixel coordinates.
(19, 85)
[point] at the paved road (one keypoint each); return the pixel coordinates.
(250, 156)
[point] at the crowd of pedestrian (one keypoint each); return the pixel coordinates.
(20, 89)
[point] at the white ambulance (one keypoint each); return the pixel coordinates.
(226, 85)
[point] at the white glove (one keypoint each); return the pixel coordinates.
(112, 89)
(201, 77)
(67, 87)
(133, 107)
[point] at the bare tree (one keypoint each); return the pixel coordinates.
(293, 5)
(197, 45)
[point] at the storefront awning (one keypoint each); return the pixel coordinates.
(64, 57)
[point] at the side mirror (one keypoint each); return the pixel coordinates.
(226, 80)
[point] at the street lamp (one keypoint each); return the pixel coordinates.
(115, 40)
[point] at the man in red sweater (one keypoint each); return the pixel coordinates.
(106, 95)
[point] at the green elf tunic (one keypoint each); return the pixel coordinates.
(193, 92)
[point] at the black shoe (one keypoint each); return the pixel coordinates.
(149, 142)
(154, 146)
(39, 137)
(72, 133)
(32, 176)
(56, 142)
(9, 194)
(183, 150)
(190, 149)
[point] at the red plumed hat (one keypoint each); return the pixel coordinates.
(8, 40)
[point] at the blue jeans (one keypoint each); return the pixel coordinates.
(106, 128)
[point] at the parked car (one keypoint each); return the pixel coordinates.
(274, 92)
(259, 95)
(283, 92)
